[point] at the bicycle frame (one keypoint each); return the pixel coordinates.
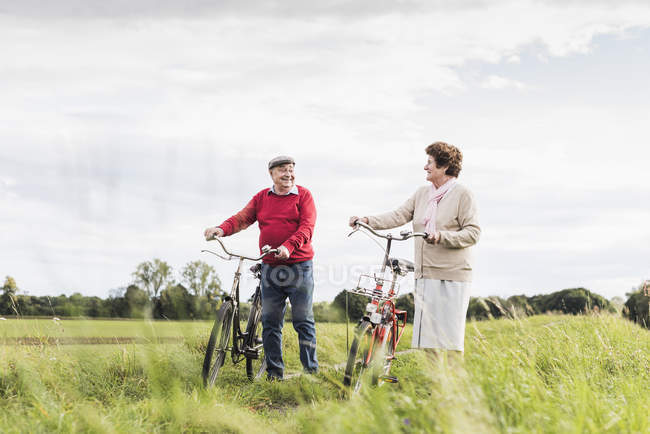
(237, 335)
(382, 310)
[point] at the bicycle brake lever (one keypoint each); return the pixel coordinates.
(356, 228)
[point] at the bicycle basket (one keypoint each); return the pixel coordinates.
(367, 286)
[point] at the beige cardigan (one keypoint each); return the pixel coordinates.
(457, 221)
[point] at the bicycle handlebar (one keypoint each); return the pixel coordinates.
(266, 250)
(405, 235)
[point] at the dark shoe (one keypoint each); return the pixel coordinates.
(310, 371)
(271, 378)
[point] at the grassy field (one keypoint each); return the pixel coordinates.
(101, 328)
(541, 374)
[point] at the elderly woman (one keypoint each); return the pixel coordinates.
(446, 210)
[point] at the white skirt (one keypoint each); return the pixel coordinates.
(440, 311)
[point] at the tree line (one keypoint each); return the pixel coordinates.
(571, 301)
(155, 293)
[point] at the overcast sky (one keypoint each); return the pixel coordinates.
(126, 128)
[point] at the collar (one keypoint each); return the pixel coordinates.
(294, 190)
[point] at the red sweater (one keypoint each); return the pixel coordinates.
(283, 220)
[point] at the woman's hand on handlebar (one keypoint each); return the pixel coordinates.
(354, 219)
(433, 238)
(214, 232)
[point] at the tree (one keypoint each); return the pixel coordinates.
(176, 303)
(519, 306)
(617, 302)
(8, 297)
(637, 306)
(478, 309)
(137, 301)
(201, 279)
(481, 308)
(10, 285)
(356, 304)
(116, 304)
(153, 276)
(406, 302)
(575, 301)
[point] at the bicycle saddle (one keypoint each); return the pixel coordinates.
(400, 266)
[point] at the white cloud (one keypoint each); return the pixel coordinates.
(124, 137)
(498, 82)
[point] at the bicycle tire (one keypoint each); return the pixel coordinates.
(215, 353)
(386, 352)
(255, 367)
(358, 355)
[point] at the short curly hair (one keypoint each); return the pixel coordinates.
(445, 154)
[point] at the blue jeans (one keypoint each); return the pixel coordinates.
(295, 281)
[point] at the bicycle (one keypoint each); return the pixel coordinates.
(380, 329)
(245, 345)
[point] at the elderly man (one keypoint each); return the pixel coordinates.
(286, 215)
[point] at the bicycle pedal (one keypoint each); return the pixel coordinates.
(389, 379)
(252, 354)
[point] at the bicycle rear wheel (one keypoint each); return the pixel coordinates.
(255, 360)
(359, 355)
(215, 353)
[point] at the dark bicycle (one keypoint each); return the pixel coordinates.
(245, 345)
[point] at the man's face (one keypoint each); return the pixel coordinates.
(283, 175)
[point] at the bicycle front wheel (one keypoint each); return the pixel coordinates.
(255, 361)
(383, 354)
(359, 356)
(215, 353)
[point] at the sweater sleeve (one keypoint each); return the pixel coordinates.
(469, 231)
(393, 219)
(306, 223)
(242, 219)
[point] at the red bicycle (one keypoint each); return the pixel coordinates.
(380, 330)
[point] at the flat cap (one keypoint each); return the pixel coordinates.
(279, 161)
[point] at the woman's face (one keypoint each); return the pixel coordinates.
(433, 172)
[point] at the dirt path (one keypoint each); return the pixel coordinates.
(114, 340)
(340, 366)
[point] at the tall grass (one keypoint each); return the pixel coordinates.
(540, 374)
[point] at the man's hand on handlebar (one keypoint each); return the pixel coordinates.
(354, 219)
(214, 232)
(283, 253)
